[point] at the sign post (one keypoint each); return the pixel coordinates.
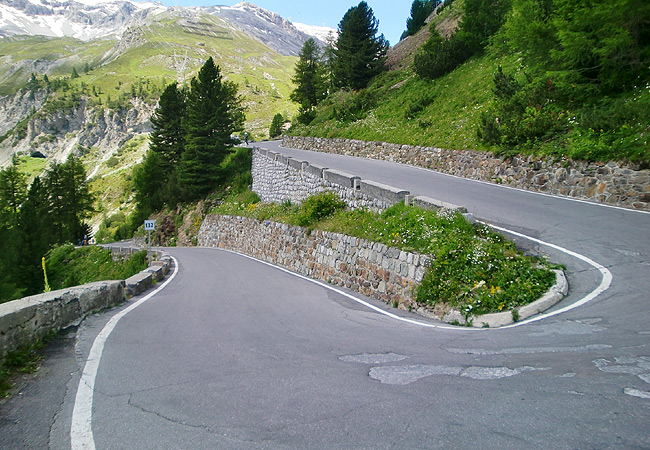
(149, 226)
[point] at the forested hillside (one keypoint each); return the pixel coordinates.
(554, 77)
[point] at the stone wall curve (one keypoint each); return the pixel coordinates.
(612, 183)
(370, 268)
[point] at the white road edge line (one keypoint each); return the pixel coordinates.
(81, 431)
(602, 287)
(605, 281)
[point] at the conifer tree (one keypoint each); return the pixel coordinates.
(214, 114)
(70, 199)
(12, 195)
(13, 191)
(309, 78)
(420, 11)
(154, 183)
(36, 237)
(359, 54)
(276, 126)
(168, 136)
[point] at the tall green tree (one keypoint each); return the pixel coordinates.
(13, 191)
(70, 199)
(36, 237)
(360, 54)
(156, 179)
(309, 78)
(152, 179)
(168, 135)
(420, 11)
(214, 114)
(275, 129)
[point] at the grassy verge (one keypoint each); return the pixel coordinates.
(22, 361)
(475, 270)
(68, 266)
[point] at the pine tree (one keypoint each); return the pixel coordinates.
(309, 78)
(70, 199)
(13, 191)
(420, 11)
(276, 126)
(36, 237)
(360, 54)
(154, 183)
(168, 136)
(214, 114)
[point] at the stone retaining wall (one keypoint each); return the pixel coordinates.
(31, 318)
(26, 320)
(611, 183)
(373, 269)
(278, 178)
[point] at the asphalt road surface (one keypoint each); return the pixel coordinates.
(236, 354)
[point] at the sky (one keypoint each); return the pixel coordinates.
(392, 14)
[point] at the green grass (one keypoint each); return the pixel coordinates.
(474, 269)
(32, 167)
(162, 49)
(68, 266)
(22, 361)
(406, 109)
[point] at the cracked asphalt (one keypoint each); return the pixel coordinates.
(234, 354)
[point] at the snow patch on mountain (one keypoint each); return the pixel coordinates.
(320, 33)
(93, 19)
(81, 19)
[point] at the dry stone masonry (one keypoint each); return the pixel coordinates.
(278, 178)
(611, 183)
(373, 269)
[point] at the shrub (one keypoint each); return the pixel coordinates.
(67, 266)
(318, 207)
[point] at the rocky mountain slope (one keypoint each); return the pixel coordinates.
(98, 19)
(115, 44)
(84, 76)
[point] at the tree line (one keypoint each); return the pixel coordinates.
(193, 133)
(357, 55)
(51, 211)
(578, 87)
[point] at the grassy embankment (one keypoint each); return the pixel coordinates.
(402, 108)
(474, 269)
(67, 267)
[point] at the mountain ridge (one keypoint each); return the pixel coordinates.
(85, 20)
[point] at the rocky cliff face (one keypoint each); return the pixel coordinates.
(73, 130)
(14, 109)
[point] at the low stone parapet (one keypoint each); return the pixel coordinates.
(278, 178)
(31, 318)
(612, 183)
(373, 269)
(26, 320)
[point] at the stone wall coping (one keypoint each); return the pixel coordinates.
(339, 177)
(617, 183)
(296, 164)
(25, 320)
(432, 203)
(315, 170)
(382, 191)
